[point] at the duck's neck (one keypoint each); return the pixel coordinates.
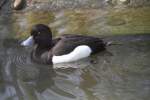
(40, 50)
(40, 54)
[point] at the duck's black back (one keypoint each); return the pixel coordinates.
(68, 43)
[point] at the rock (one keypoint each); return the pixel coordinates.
(19, 4)
(122, 0)
(139, 3)
(132, 3)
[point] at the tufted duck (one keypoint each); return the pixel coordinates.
(66, 48)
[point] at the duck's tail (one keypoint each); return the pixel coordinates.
(110, 43)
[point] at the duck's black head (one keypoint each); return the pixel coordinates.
(41, 35)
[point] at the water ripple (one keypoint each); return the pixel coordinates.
(19, 57)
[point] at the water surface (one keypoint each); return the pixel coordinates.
(121, 72)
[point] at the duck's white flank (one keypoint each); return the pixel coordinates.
(28, 42)
(79, 52)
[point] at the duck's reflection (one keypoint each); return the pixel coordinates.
(45, 78)
(43, 85)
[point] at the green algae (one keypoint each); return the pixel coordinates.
(134, 21)
(106, 22)
(24, 23)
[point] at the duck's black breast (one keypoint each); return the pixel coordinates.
(67, 43)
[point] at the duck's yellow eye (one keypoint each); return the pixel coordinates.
(38, 33)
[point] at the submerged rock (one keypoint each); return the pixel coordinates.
(132, 3)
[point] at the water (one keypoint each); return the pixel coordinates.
(120, 73)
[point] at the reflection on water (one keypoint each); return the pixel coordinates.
(120, 73)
